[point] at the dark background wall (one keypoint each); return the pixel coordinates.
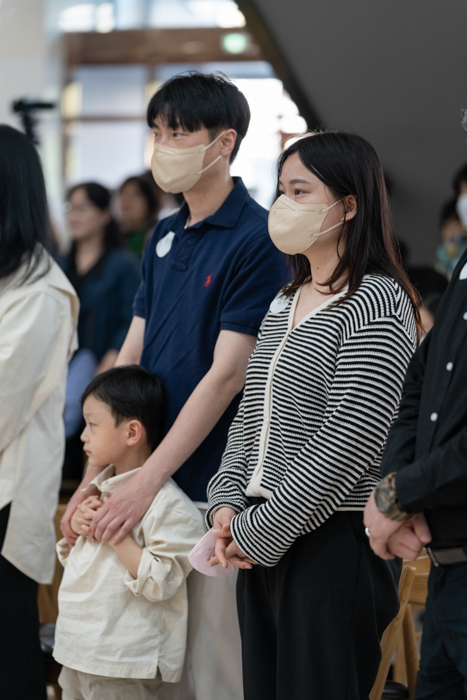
(394, 72)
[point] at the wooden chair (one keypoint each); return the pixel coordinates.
(407, 658)
(393, 632)
(48, 613)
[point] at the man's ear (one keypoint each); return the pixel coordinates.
(134, 432)
(227, 142)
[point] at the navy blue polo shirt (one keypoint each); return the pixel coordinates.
(220, 274)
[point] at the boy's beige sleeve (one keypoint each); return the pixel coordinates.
(170, 533)
(63, 550)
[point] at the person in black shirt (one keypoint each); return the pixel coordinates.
(422, 498)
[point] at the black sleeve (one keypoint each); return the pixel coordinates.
(400, 446)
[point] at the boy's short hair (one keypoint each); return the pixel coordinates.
(196, 100)
(131, 392)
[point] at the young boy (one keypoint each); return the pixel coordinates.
(123, 607)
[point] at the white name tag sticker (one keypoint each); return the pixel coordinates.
(463, 274)
(164, 245)
(278, 304)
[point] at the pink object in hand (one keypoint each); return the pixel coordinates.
(201, 554)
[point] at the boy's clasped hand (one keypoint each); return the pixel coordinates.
(83, 515)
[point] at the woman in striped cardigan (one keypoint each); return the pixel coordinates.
(303, 452)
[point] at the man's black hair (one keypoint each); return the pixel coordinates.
(131, 392)
(194, 100)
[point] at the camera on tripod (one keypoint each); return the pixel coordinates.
(27, 109)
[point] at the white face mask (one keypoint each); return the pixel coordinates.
(461, 208)
(295, 227)
(179, 169)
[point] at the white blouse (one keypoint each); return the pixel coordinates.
(38, 321)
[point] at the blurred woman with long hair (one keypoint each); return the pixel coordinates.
(38, 317)
(105, 277)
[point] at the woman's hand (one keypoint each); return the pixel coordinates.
(83, 515)
(226, 550)
(226, 553)
(221, 529)
(221, 522)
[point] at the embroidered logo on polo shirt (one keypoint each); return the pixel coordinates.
(164, 245)
(208, 281)
(463, 274)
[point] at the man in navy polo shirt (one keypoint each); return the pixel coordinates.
(209, 274)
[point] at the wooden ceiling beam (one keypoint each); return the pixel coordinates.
(153, 47)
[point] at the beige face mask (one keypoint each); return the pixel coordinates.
(295, 227)
(179, 169)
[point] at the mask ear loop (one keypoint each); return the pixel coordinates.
(341, 223)
(203, 170)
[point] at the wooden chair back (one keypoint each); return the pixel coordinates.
(48, 594)
(407, 659)
(393, 631)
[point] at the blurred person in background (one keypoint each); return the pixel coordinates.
(38, 318)
(430, 286)
(453, 236)
(105, 277)
(140, 202)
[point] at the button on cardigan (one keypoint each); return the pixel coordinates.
(318, 403)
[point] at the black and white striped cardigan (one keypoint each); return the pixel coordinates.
(318, 403)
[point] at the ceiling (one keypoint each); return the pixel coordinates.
(394, 72)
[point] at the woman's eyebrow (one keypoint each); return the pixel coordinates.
(297, 180)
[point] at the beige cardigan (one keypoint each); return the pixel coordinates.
(38, 323)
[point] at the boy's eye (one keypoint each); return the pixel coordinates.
(92, 425)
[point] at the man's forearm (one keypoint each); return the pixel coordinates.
(195, 421)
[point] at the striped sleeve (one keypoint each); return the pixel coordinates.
(362, 402)
(228, 486)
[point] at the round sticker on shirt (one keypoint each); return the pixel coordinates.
(278, 304)
(164, 245)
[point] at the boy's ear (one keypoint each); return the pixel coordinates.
(228, 141)
(134, 432)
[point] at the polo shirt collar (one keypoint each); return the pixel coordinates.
(228, 213)
(107, 482)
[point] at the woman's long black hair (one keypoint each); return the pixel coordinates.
(101, 198)
(348, 165)
(25, 232)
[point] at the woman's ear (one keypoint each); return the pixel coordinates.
(350, 204)
(134, 432)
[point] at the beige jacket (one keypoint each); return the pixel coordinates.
(38, 322)
(114, 625)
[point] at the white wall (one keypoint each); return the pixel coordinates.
(30, 66)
